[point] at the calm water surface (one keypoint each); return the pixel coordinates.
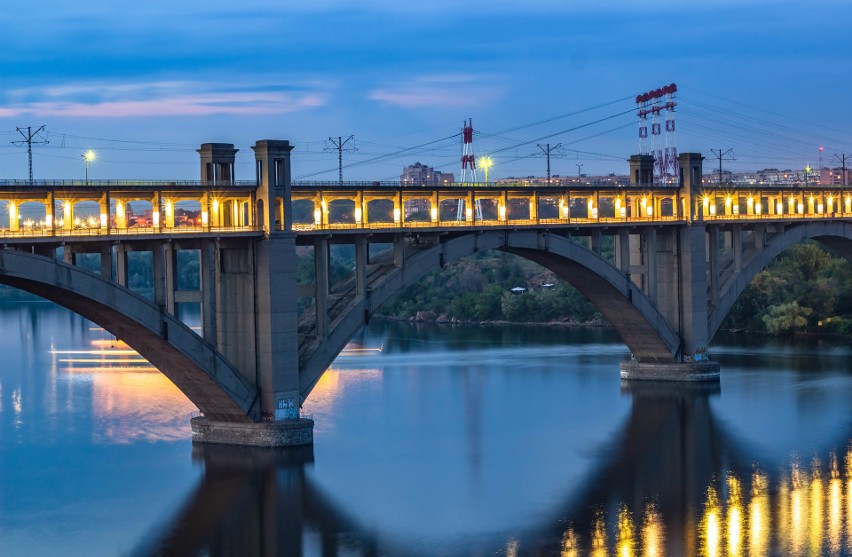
(447, 441)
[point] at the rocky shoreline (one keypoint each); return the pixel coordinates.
(444, 319)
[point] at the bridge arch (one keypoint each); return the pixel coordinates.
(195, 367)
(642, 327)
(835, 235)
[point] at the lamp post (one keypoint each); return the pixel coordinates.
(486, 163)
(88, 156)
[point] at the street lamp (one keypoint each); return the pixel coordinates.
(486, 163)
(88, 156)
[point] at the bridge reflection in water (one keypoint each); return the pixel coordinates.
(675, 483)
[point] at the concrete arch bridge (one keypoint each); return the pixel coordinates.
(683, 254)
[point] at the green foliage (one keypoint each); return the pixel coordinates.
(479, 289)
(785, 319)
(806, 289)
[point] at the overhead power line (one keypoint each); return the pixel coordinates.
(720, 154)
(546, 150)
(30, 138)
(340, 146)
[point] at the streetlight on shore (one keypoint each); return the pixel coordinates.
(88, 156)
(486, 163)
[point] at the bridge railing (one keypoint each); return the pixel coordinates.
(125, 183)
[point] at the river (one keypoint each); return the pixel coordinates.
(431, 440)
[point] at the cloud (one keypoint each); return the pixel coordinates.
(160, 98)
(439, 90)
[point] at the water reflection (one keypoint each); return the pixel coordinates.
(667, 488)
(131, 400)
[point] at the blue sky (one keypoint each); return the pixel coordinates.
(144, 85)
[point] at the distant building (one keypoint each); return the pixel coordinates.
(834, 177)
(422, 174)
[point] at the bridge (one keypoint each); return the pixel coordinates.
(681, 254)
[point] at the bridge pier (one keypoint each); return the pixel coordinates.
(670, 371)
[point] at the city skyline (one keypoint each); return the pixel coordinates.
(763, 78)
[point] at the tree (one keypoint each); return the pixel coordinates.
(786, 319)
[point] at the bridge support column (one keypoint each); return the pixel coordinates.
(321, 281)
(681, 261)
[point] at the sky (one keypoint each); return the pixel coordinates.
(144, 84)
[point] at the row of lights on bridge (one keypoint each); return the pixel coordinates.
(92, 222)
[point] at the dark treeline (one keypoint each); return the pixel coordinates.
(805, 290)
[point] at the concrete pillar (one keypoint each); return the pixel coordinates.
(713, 253)
(693, 290)
(106, 262)
(120, 214)
(208, 290)
(534, 208)
(690, 182)
(651, 263)
(595, 241)
(277, 338)
(321, 294)
(737, 247)
(622, 250)
(398, 209)
(272, 161)
(361, 266)
(67, 215)
(49, 221)
(156, 217)
(435, 207)
(104, 216)
(14, 216)
(68, 255)
(121, 264)
(217, 163)
(641, 170)
(164, 280)
(398, 251)
(359, 209)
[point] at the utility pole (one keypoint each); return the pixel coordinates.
(546, 150)
(29, 138)
(340, 146)
(720, 154)
(579, 170)
(842, 160)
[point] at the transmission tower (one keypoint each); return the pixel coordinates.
(654, 103)
(546, 150)
(467, 159)
(31, 137)
(579, 169)
(720, 154)
(340, 146)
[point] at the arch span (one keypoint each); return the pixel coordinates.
(642, 327)
(198, 370)
(834, 235)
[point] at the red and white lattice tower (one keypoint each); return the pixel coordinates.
(654, 104)
(656, 133)
(670, 157)
(643, 103)
(468, 171)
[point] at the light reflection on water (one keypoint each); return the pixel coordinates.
(450, 441)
